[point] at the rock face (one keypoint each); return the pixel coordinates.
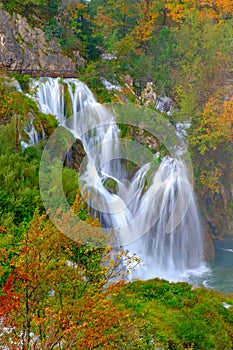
(148, 96)
(77, 155)
(209, 250)
(219, 214)
(23, 48)
(217, 208)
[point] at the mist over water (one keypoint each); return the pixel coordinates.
(154, 217)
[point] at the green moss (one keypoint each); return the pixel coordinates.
(177, 317)
(230, 207)
(111, 185)
(46, 121)
(125, 130)
(23, 80)
(68, 102)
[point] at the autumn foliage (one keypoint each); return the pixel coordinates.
(216, 9)
(54, 296)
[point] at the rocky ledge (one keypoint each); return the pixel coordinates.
(26, 49)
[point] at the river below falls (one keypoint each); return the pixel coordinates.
(216, 275)
(219, 276)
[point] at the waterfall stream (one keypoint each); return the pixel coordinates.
(158, 221)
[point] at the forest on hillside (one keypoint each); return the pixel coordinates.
(55, 292)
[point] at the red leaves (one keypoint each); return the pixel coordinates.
(10, 300)
(2, 229)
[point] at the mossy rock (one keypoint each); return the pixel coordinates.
(111, 185)
(47, 122)
(68, 102)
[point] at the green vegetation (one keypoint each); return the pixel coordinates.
(43, 9)
(176, 316)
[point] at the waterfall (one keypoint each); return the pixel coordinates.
(158, 220)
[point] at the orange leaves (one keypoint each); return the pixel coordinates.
(218, 6)
(175, 11)
(123, 23)
(145, 23)
(218, 115)
(226, 6)
(225, 120)
(9, 300)
(2, 229)
(206, 9)
(143, 30)
(99, 322)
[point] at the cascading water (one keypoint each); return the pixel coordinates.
(168, 246)
(143, 216)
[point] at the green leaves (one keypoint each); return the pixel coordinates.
(19, 193)
(41, 8)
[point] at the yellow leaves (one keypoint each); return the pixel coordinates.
(215, 125)
(206, 9)
(210, 179)
(75, 8)
(93, 222)
(147, 15)
(108, 249)
(143, 30)
(9, 99)
(226, 119)
(219, 6)
(175, 11)
(226, 5)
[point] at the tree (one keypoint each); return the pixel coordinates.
(53, 296)
(43, 9)
(218, 10)
(145, 21)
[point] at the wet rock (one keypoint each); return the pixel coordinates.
(164, 104)
(77, 154)
(209, 250)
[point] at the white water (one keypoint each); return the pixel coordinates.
(159, 222)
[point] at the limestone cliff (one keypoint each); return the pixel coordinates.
(218, 207)
(24, 48)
